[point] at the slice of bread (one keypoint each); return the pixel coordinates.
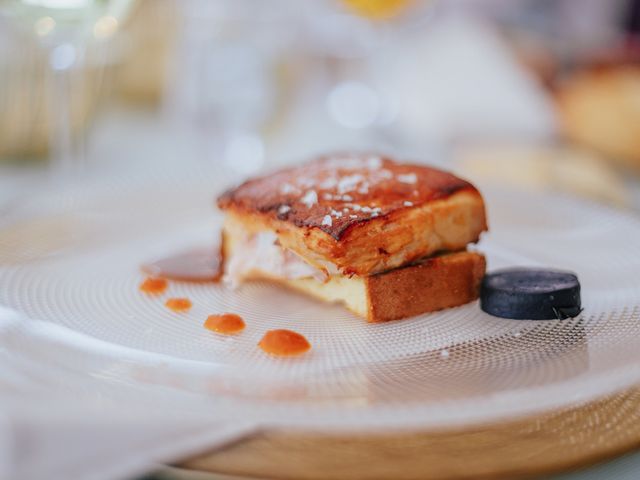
(435, 283)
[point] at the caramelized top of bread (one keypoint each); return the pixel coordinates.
(362, 213)
(335, 193)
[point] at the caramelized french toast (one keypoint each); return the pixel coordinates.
(386, 239)
(358, 214)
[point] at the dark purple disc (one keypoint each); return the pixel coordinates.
(531, 294)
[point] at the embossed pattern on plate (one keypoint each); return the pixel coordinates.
(76, 265)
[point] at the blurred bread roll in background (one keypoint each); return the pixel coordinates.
(600, 109)
(541, 168)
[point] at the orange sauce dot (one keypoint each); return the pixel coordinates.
(178, 304)
(284, 343)
(154, 286)
(227, 323)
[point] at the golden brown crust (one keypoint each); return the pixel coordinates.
(361, 214)
(437, 283)
(369, 186)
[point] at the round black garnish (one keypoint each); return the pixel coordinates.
(531, 294)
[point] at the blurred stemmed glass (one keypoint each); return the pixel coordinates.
(353, 36)
(226, 81)
(63, 28)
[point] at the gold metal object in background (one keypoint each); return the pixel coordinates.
(23, 105)
(150, 35)
(378, 9)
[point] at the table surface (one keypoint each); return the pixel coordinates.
(122, 140)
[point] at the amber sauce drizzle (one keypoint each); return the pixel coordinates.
(205, 265)
(284, 343)
(178, 304)
(226, 324)
(202, 264)
(154, 286)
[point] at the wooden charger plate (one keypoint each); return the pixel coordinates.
(526, 447)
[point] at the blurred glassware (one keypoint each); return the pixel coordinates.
(25, 119)
(227, 83)
(62, 28)
(347, 38)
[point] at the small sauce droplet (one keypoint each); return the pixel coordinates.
(195, 265)
(284, 343)
(227, 323)
(178, 304)
(154, 286)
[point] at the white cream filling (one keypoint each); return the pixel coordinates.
(260, 253)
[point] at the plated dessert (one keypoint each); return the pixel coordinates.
(387, 239)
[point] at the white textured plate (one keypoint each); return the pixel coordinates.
(73, 257)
